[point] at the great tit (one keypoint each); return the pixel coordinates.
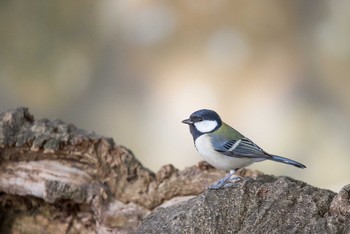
(225, 148)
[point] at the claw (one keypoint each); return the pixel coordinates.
(230, 185)
(228, 181)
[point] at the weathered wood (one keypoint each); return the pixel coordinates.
(56, 178)
(265, 205)
(79, 181)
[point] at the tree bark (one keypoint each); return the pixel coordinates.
(265, 205)
(56, 178)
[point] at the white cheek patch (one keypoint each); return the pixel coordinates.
(206, 126)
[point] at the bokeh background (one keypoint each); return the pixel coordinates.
(278, 71)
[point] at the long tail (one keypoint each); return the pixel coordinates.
(286, 161)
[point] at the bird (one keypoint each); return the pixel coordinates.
(225, 148)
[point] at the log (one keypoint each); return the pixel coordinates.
(57, 178)
(267, 204)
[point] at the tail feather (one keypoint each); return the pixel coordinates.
(287, 161)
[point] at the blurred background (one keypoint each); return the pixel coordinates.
(278, 71)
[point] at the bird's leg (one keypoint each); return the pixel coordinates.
(231, 177)
(220, 183)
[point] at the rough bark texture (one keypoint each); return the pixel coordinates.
(265, 205)
(56, 178)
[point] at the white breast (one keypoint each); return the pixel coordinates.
(217, 160)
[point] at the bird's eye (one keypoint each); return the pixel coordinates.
(197, 119)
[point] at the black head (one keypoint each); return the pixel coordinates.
(203, 121)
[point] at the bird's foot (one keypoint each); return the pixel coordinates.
(226, 182)
(232, 183)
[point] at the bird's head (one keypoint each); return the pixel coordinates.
(204, 121)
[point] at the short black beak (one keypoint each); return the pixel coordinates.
(187, 121)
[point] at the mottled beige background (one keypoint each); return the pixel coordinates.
(278, 71)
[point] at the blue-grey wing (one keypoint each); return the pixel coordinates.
(238, 148)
